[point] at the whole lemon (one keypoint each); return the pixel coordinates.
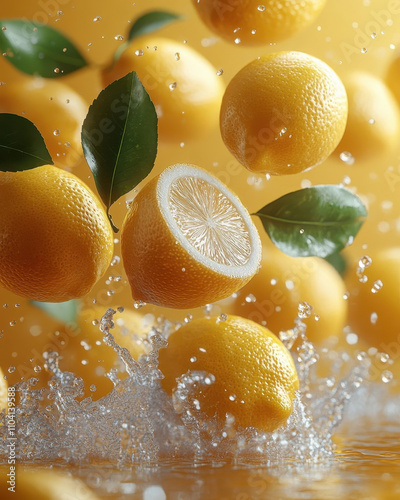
(56, 241)
(182, 84)
(250, 22)
(283, 113)
(373, 124)
(55, 108)
(254, 376)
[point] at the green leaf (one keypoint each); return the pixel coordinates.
(21, 145)
(147, 23)
(38, 49)
(65, 312)
(151, 21)
(337, 261)
(318, 221)
(119, 138)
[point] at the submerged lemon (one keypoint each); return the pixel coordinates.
(283, 113)
(182, 84)
(56, 241)
(250, 22)
(254, 375)
(187, 240)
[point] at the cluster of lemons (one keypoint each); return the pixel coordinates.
(187, 240)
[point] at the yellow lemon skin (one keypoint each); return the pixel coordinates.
(392, 78)
(160, 270)
(247, 22)
(56, 241)
(57, 111)
(44, 484)
(373, 124)
(85, 354)
(182, 84)
(283, 113)
(272, 297)
(374, 312)
(255, 377)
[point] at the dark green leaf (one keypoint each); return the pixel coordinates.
(337, 261)
(21, 145)
(318, 221)
(147, 23)
(38, 49)
(119, 137)
(151, 21)
(65, 312)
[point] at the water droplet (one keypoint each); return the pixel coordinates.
(37, 369)
(383, 357)
(138, 304)
(172, 86)
(56, 132)
(11, 369)
(374, 35)
(13, 323)
(373, 318)
(220, 72)
(261, 8)
(177, 56)
(347, 158)
(110, 293)
(304, 310)
(188, 318)
(371, 121)
(250, 298)
(93, 388)
(97, 19)
(377, 286)
(237, 41)
(222, 317)
(232, 397)
(56, 70)
(386, 376)
(363, 50)
(115, 260)
(139, 52)
(301, 231)
(4, 28)
(119, 38)
(193, 359)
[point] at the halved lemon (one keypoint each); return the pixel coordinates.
(187, 240)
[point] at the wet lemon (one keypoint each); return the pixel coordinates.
(254, 375)
(250, 22)
(187, 240)
(182, 84)
(56, 109)
(374, 312)
(273, 296)
(56, 239)
(373, 124)
(283, 113)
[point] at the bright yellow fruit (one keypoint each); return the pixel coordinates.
(56, 239)
(85, 354)
(283, 113)
(182, 84)
(393, 78)
(255, 376)
(374, 312)
(373, 124)
(46, 484)
(56, 110)
(187, 240)
(272, 297)
(250, 22)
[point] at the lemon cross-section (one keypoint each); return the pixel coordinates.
(187, 240)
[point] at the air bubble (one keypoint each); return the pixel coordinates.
(139, 52)
(222, 317)
(97, 19)
(386, 376)
(11, 369)
(347, 158)
(119, 38)
(56, 132)
(377, 286)
(177, 56)
(172, 86)
(261, 8)
(250, 298)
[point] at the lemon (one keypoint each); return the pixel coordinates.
(3, 391)
(249, 22)
(46, 484)
(273, 296)
(283, 113)
(373, 124)
(374, 312)
(255, 376)
(182, 84)
(56, 241)
(187, 240)
(56, 109)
